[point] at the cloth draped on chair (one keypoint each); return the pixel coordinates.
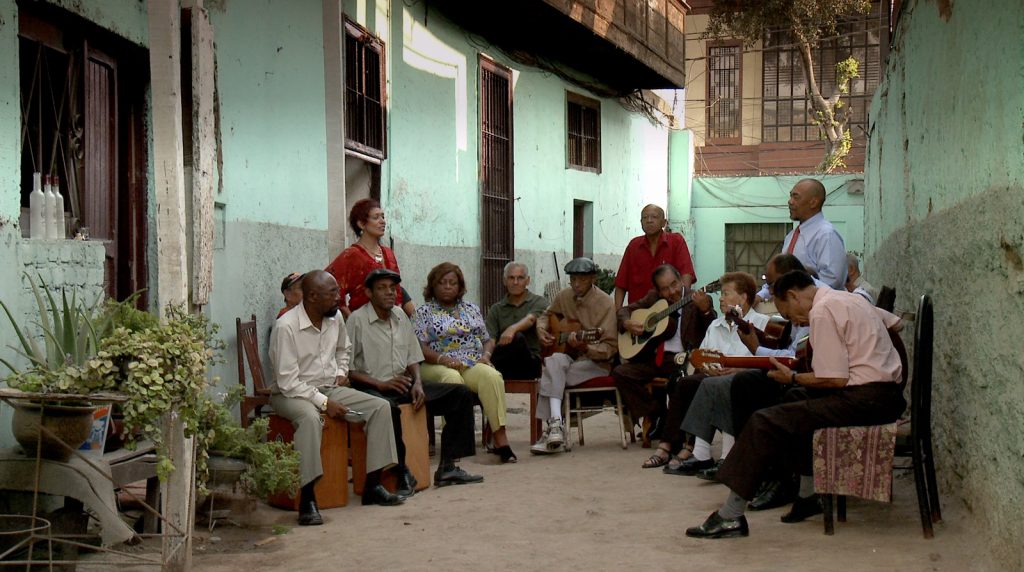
(855, 461)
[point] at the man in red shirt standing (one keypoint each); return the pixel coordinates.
(644, 253)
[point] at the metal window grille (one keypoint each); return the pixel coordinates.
(749, 246)
(364, 92)
(724, 94)
(583, 132)
(497, 220)
(786, 112)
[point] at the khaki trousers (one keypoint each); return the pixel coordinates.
(483, 380)
(380, 437)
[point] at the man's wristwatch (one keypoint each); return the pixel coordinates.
(792, 377)
(323, 408)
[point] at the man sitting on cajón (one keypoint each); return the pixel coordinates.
(309, 355)
(854, 380)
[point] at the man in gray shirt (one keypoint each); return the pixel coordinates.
(386, 360)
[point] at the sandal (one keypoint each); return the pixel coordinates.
(657, 459)
(676, 460)
(506, 454)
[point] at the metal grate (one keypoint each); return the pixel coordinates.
(364, 91)
(749, 246)
(583, 132)
(497, 219)
(786, 111)
(724, 94)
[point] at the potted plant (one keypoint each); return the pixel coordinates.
(70, 332)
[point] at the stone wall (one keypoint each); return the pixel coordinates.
(944, 201)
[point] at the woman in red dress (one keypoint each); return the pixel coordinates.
(353, 264)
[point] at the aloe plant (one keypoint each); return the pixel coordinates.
(71, 331)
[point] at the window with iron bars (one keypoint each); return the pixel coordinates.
(364, 92)
(786, 111)
(583, 132)
(749, 246)
(725, 65)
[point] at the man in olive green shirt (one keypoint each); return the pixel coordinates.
(386, 360)
(513, 323)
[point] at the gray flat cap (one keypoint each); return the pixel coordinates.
(581, 265)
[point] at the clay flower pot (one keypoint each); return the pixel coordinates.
(71, 423)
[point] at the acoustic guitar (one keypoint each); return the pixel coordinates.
(775, 334)
(655, 320)
(562, 328)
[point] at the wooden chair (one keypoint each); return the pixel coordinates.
(332, 488)
(865, 467)
(414, 435)
(573, 403)
(886, 298)
(249, 351)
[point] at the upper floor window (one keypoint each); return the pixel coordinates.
(787, 113)
(364, 92)
(583, 132)
(724, 100)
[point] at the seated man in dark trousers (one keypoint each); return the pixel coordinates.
(854, 380)
(685, 329)
(513, 322)
(309, 356)
(386, 360)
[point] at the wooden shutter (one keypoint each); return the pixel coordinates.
(497, 219)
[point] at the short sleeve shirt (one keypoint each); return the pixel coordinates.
(458, 332)
(850, 339)
(382, 349)
(637, 264)
(503, 314)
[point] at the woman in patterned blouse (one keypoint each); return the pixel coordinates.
(458, 349)
(353, 264)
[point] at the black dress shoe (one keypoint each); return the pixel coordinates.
(689, 467)
(710, 474)
(773, 495)
(406, 484)
(717, 527)
(380, 495)
(453, 475)
(803, 509)
(309, 514)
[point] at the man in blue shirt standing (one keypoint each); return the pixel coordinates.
(815, 241)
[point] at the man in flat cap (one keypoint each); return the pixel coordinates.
(577, 310)
(386, 360)
(309, 356)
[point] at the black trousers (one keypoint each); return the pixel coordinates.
(679, 400)
(783, 433)
(452, 401)
(752, 390)
(631, 380)
(515, 361)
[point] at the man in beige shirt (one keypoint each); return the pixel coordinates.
(386, 358)
(309, 354)
(581, 306)
(855, 379)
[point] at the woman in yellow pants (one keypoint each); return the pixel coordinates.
(457, 347)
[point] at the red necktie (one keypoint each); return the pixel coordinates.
(792, 243)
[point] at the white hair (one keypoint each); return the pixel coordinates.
(516, 264)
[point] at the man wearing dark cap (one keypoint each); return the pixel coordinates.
(386, 360)
(579, 307)
(291, 289)
(309, 356)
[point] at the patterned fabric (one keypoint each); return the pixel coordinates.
(855, 461)
(457, 332)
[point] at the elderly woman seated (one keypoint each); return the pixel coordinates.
(457, 347)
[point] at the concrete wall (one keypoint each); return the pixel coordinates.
(430, 188)
(718, 201)
(944, 205)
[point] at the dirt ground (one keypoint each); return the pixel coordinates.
(593, 508)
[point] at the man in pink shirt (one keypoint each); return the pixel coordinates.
(854, 380)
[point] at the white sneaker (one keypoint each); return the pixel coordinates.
(556, 435)
(541, 446)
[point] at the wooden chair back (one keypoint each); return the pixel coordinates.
(249, 352)
(886, 298)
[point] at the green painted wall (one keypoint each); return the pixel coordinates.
(430, 189)
(718, 201)
(944, 205)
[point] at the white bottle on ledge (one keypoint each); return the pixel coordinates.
(37, 208)
(51, 209)
(58, 211)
